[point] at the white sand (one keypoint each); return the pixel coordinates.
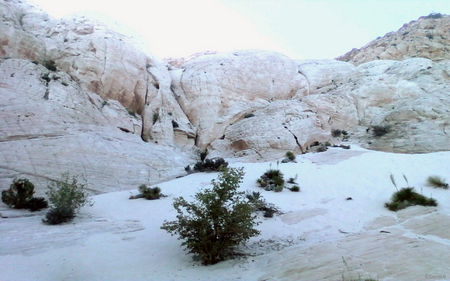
(121, 239)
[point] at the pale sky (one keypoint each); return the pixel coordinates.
(300, 29)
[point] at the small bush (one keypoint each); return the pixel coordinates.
(336, 133)
(295, 188)
(150, 193)
(217, 221)
(210, 165)
(271, 179)
(58, 216)
(292, 180)
(50, 65)
(260, 204)
(434, 16)
(379, 130)
(19, 193)
(406, 197)
(203, 155)
(155, 117)
(437, 181)
(290, 155)
(430, 36)
(36, 204)
(249, 115)
(278, 188)
(66, 197)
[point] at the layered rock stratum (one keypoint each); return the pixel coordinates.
(78, 96)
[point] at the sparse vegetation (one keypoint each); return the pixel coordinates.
(406, 197)
(150, 193)
(290, 155)
(19, 193)
(131, 112)
(260, 204)
(155, 117)
(217, 221)
(295, 188)
(50, 65)
(336, 133)
(249, 115)
(381, 130)
(434, 16)
(429, 36)
(208, 165)
(437, 181)
(271, 180)
(66, 197)
(36, 204)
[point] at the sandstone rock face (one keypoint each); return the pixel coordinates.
(101, 61)
(427, 37)
(217, 90)
(50, 125)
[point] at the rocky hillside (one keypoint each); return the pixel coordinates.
(77, 96)
(428, 37)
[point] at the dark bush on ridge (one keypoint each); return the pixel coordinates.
(209, 165)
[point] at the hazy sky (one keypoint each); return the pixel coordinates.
(301, 29)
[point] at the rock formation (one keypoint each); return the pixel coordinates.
(77, 96)
(427, 37)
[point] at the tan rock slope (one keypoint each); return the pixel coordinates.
(428, 37)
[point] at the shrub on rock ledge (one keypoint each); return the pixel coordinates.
(208, 165)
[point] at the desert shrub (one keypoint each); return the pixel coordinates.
(260, 204)
(292, 180)
(406, 197)
(217, 221)
(295, 188)
(430, 36)
(249, 115)
(271, 179)
(66, 197)
(437, 181)
(278, 188)
(18, 194)
(381, 130)
(58, 216)
(434, 16)
(150, 193)
(336, 133)
(131, 112)
(210, 165)
(155, 117)
(203, 155)
(290, 155)
(36, 204)
(50, 65)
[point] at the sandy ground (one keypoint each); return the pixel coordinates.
(319, 236)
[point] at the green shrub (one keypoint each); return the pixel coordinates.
(50, 65)
(336, 133)
(278, 188)
(58, 216)
(260, 204)
(150, 193)
(295, 188)
(434, 16)
(290, 155)
(379, 130)
(437, 181)
(210, 165)
(292, 180)
(249, 115)
(271, 179)
(217, 221)
(430, 36)
(36, 204)
(406, 197)
(18, 194)
(66, 197)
